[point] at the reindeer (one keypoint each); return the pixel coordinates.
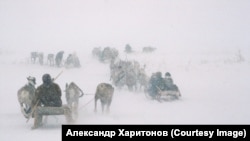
(40, 58)
(73, 93)
(33, 56)
(142, 80)
(26, 95)
(131, 79)
(50, 59)
(104, 92)
(109, 54)
(97, 52)
(59, 58)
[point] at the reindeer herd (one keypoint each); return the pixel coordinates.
(124, 74)
(55, 60)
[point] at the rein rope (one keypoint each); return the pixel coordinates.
(86, 103)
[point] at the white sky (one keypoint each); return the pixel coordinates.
(172, 24)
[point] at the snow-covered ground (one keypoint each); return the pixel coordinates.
(198, 42)
(214, 92)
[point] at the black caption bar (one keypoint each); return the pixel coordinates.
(159, 132)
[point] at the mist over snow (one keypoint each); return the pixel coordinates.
(203, 44)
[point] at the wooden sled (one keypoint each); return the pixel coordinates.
(168, 95)
(51, 111)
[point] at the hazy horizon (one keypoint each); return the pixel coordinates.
(183, 26)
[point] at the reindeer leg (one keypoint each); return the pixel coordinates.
(102, 106)
(95, 104)
(108, 105)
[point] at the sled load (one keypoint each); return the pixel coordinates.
(162, 89)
